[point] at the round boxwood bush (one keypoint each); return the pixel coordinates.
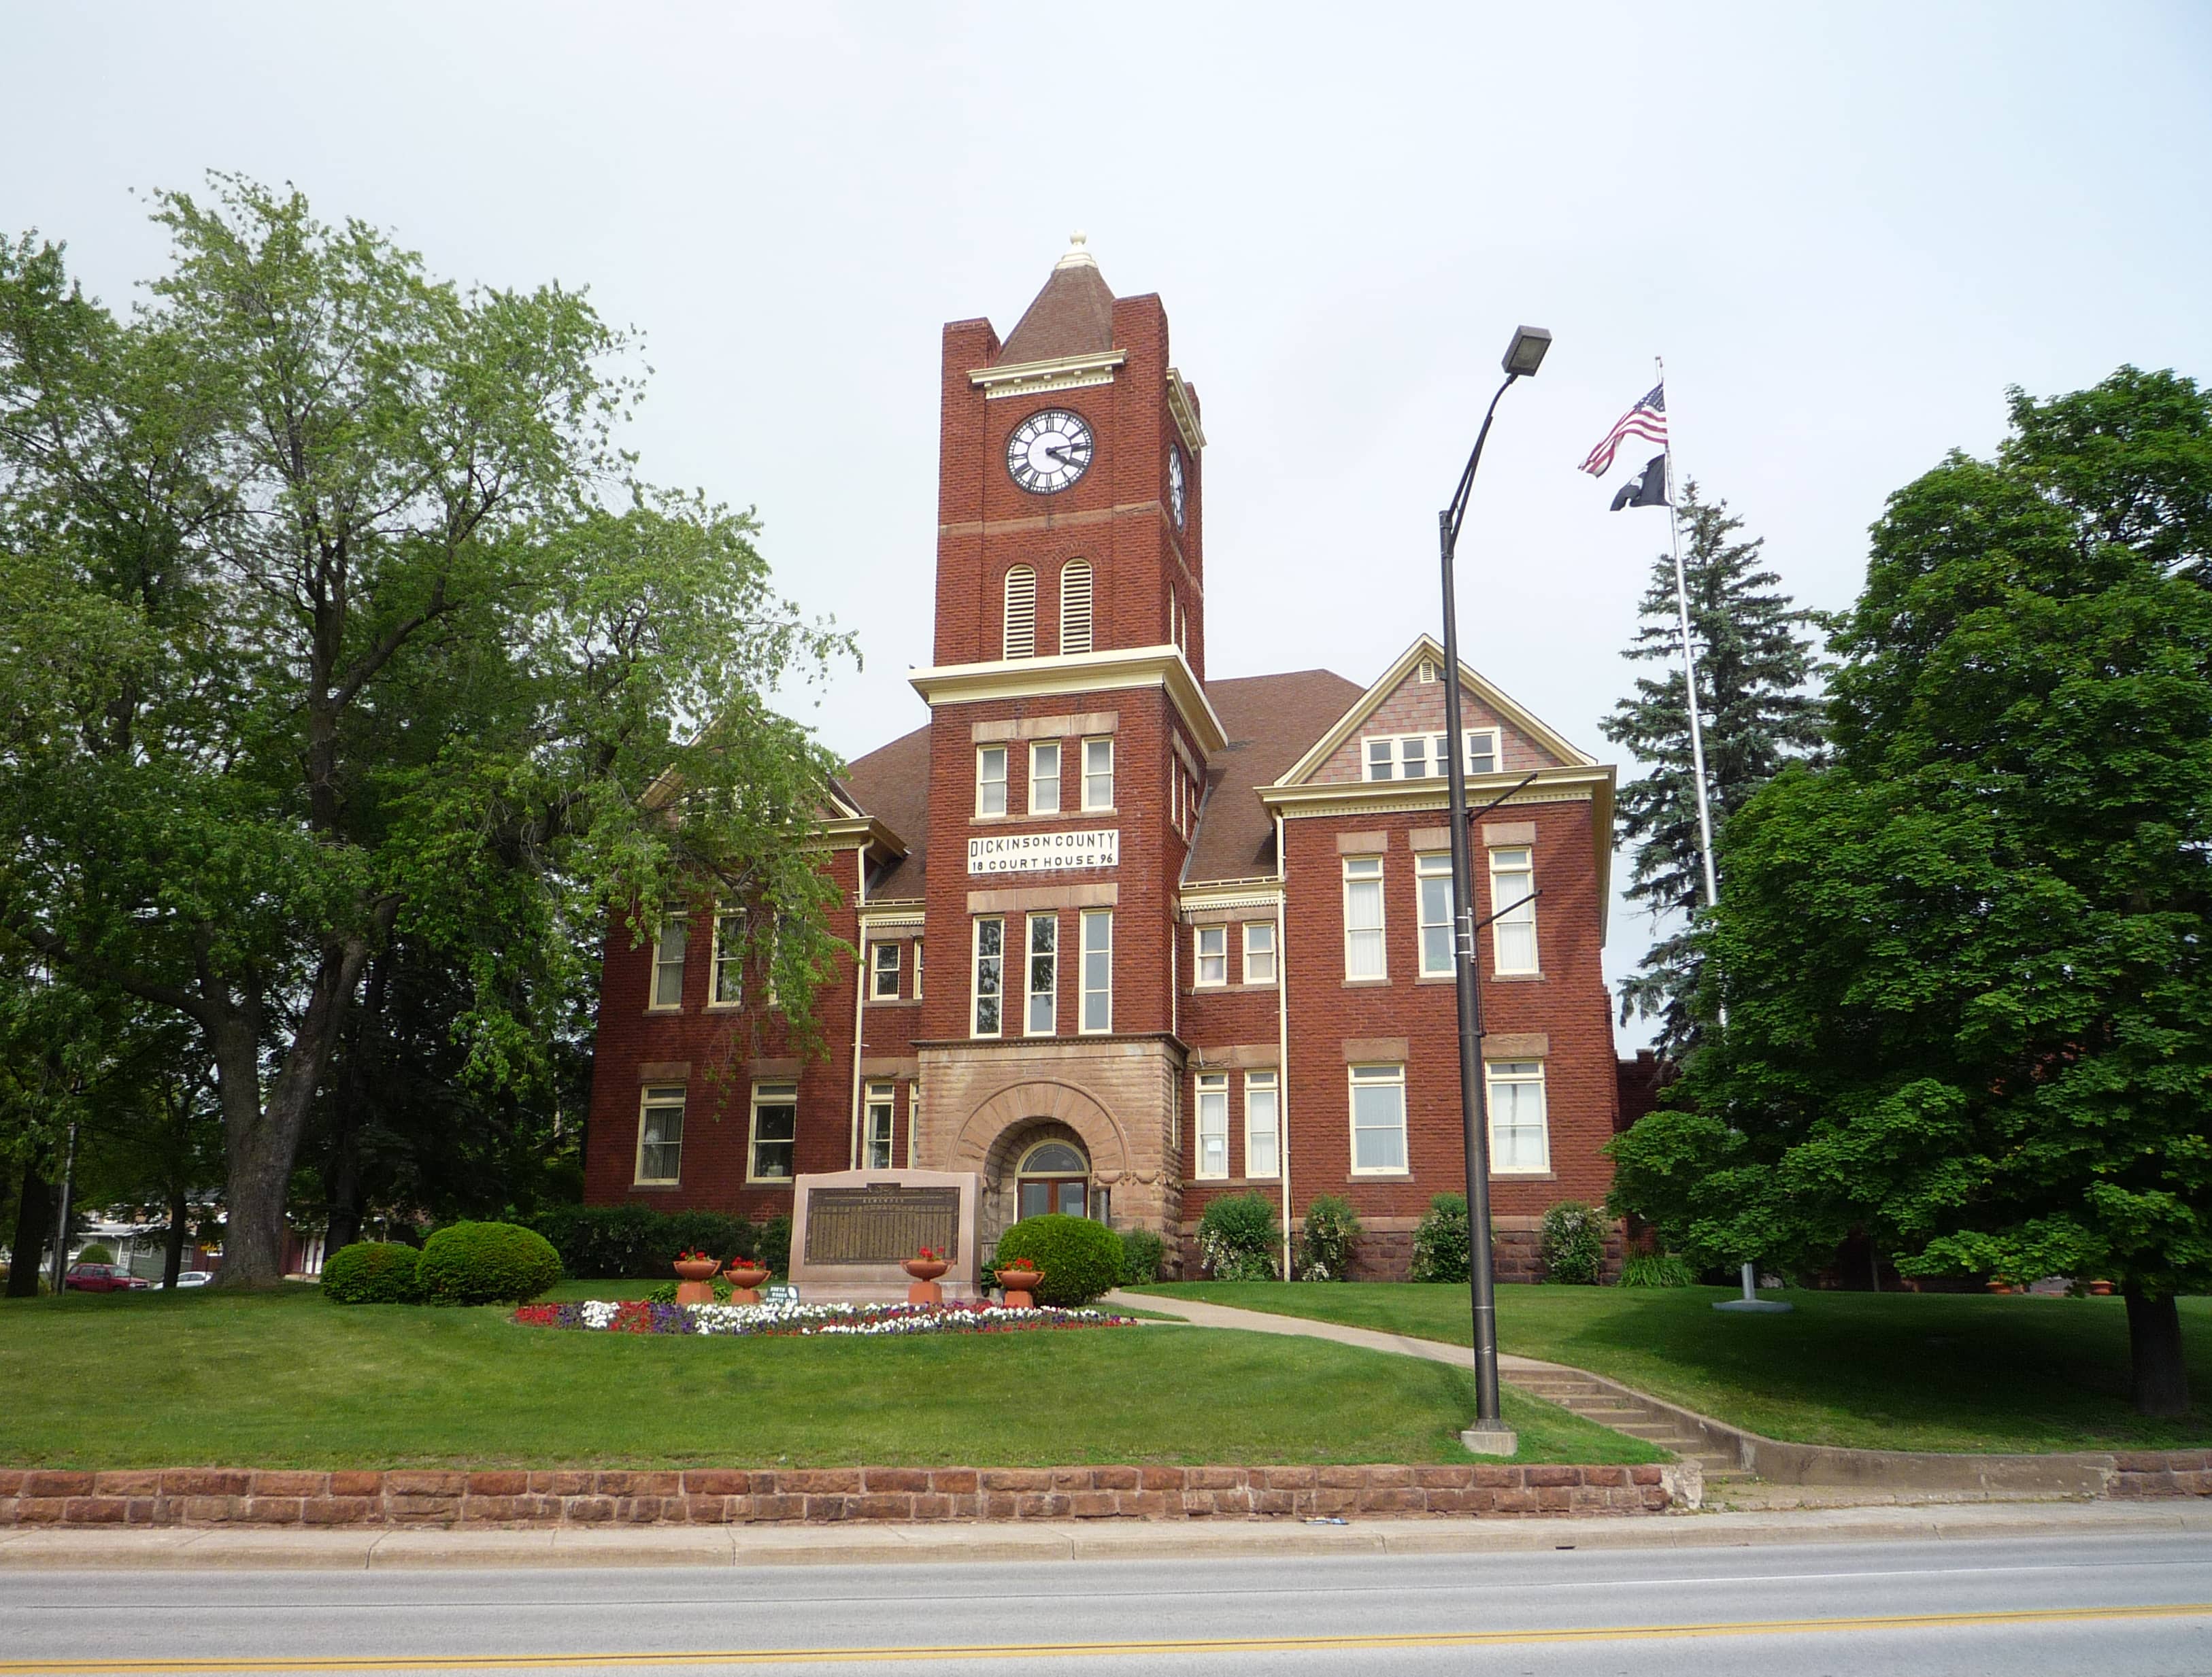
(371, 1272)
(96, 1254)
(1080, 1259)
(486, 1263)
(1440, 1246)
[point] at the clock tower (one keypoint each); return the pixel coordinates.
(1070, 738)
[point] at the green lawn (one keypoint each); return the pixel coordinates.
(1929, 1371)
(286, 1380)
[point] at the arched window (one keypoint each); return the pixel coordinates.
(1021, 612)
(1075, 606)
(1054, 1175)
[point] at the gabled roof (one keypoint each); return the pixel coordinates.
(1073, 315)
(1269, 721)
(891, 783)
(1426, 648)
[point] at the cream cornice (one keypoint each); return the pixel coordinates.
(1079, 672)
(1039, 378)
(864, 831)
(1230, 894)
(1592, 785)
(1185, 411)
(1426, 646)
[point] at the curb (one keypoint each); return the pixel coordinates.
(217, 1549)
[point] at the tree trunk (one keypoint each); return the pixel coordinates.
(2161, 1377)
(34, 1216)
(173, 1258)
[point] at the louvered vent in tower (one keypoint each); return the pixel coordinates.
(1021, 612)
(1075, 606)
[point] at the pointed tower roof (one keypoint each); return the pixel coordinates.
(1073, 315)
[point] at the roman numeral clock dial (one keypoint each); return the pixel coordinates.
(1048, 450)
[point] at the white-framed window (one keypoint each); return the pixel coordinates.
(1363, 918)
(875, 1127)
(1213, 944)
(669, 946)
(1043, 1016)
(1378, 1120)
(775, 1133)
(1097, 971)
(1520, 1137)
(1213, 1124)
(1075, 606)
(1512, 888)
(660, 1133)
(1259, 951)
(1432, 889)
(726, 986)
(1098, 774)
(884, 983)
(917, 969)
(1020, 638)
(1263, 1125)
(1044, 777)
(991, 780)
(1416, 757)
(990, 975)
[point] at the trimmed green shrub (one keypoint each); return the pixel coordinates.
(1239, 1240)
(96, 1254)
(636, 1242)
(1657, 1269)
(774, 1246)
(1574, 1243)
(1440, 1248)
(486, 1263)
(371, 1272)
(665, 1292)
(1080, 1259)
(1326, 1241)
(1143, 1253)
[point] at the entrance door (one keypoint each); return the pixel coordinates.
(1055, 1176)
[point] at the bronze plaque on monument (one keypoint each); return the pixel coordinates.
(881, 1224)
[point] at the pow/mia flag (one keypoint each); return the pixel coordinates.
(1647, 489)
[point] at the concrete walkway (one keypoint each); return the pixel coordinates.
(1305, 1328)
(201, 1548)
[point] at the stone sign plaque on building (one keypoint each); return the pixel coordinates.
(851, 1229)
(1045, 853)
(882, 1223)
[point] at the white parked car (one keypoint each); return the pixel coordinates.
(194, 1278)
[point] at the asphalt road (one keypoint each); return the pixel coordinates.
(2114, 1606)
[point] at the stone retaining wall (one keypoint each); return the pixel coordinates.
(213, 1497)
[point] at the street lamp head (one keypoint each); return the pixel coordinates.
(1526, 353)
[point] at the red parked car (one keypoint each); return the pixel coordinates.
(101, 1278)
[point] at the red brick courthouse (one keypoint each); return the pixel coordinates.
(1184, 937)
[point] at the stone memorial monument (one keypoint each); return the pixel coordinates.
(851, 1229)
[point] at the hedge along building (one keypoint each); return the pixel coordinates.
(1184, 937)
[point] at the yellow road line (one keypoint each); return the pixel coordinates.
(1037, 1650)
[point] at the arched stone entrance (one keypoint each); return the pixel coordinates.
(1052, 1140)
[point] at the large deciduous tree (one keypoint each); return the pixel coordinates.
(329, 613)
(1968, 966)
(1755, 666)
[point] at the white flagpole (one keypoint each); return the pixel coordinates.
(1689, 666)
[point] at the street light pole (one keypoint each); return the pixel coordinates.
(1489, 1435)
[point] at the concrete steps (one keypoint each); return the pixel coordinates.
(1624, 1413)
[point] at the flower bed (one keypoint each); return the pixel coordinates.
(786, 1318)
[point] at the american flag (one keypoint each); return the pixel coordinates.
(1648, 418)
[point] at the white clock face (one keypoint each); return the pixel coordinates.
(1048, 450)
(1174, 484)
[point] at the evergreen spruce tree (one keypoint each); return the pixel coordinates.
(1755, 665)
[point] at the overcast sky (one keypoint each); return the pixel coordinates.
(1846, 231)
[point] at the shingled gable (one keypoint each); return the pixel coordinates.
(891, 783)
(1073, 315)
(1546, 747)
(1270, 721)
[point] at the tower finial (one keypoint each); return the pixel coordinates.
(1077, 256)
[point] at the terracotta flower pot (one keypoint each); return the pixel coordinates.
(1998, 1286)
(925, 1272)
(1020, 1287)
(698, 1274)
(744, 1280)
(2100, 1289)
